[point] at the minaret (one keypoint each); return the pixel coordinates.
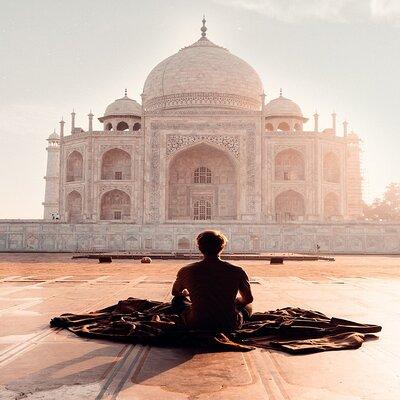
(345, 126)
(90, 115)
(73, 121)
(51, 196)
(62, 123)
(353, 177)
(334, 122)
(316, 116)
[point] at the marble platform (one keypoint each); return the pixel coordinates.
(37, 362)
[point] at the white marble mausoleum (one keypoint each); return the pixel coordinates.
(204, 145)
(205, 148)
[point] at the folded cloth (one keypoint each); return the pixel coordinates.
(292, 330)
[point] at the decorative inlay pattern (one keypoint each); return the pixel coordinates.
(177, 142)
(251, 171)
(106, 147)
(202, 99)
(155, 177)
(107, 187)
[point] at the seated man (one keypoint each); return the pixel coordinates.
(213, 286)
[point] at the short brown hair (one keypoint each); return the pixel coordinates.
(211, 243)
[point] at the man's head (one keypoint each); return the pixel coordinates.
(211, 243)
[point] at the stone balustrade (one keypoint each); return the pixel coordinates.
(335, 238)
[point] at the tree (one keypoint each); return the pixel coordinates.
(386, 209)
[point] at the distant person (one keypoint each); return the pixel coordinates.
(212, 294)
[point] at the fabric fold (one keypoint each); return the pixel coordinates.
(290, 329)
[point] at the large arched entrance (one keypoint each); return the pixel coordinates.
(202, 185)
(115, 205)
(289, 206)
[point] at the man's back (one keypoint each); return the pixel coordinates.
(213, 286)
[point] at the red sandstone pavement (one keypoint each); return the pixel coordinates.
(39, 363)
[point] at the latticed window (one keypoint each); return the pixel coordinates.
(202, 210)
(117, 215)
(202, 175)
(118, 175)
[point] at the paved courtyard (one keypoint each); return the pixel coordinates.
(37, 362)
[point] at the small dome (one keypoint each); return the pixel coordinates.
(282, 107)
(124, 106)
(54, 136)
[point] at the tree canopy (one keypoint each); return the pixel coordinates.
(387, 208)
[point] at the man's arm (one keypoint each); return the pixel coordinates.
(246, 297)
(178, 288)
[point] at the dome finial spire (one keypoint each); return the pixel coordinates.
(203, 28)
(126, 92)
(280, 92)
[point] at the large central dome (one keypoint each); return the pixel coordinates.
(203, 75)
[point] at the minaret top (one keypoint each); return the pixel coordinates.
(203, 28)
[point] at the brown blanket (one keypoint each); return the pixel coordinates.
(292, 330)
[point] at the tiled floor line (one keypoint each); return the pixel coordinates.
(13, 352)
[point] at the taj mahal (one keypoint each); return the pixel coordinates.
(205, 148)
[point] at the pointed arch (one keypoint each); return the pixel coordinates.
(136, 126)
(115, 205)
(116, 164)
(289, 206)
(269, 127)
(283, 126)
(74, 207)
(122, 126)
(74, 170)
(183, 244)
(201, 176)
(289, 165)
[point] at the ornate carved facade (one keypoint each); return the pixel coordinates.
(203, 146)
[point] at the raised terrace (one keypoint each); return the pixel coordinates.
(37, 362)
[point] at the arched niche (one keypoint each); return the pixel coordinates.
(109, 127)
(289, 165)
(289, 206)
(283, 126)
(331, 168)
(122, 126)
(74, 207)
(201, 174)
(74, 170)
(183, 244)
(269, 127)
(331, 205)
(116, 164)
(297, 127)
(136, 126)
(115, 205)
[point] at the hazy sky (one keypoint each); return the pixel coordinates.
(325, 54)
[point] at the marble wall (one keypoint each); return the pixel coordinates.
(55, 236)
